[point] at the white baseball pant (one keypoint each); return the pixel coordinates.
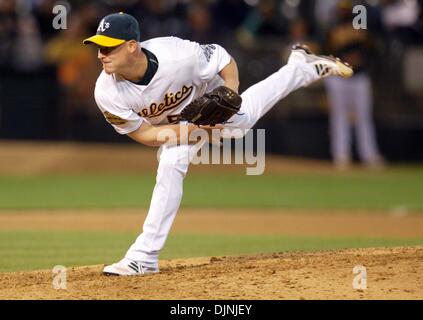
(174, 160)
(346, 96)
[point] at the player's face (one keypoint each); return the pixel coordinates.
(112, 58)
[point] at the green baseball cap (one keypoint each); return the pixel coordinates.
(114, 30)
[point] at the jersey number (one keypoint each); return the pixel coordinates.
(174, 119)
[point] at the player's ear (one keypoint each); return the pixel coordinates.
(132, 46)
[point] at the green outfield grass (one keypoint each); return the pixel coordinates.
(33, 250)
(363, 190)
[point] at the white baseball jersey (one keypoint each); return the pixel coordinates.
(186, 71)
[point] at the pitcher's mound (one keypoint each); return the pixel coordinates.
(392, 273)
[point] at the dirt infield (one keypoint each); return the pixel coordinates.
(394, 273)
(38, 158)
(226, 222)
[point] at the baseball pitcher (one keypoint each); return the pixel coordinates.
(170, 83)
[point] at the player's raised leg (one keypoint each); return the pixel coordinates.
(303, 68)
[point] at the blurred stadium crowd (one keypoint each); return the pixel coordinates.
(39, 63)
(28, 39)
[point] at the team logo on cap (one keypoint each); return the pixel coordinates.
(103, 26)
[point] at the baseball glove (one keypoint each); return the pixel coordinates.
(215, 107)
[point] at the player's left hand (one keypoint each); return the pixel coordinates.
(215, 107)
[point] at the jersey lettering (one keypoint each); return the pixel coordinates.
(171, 101)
